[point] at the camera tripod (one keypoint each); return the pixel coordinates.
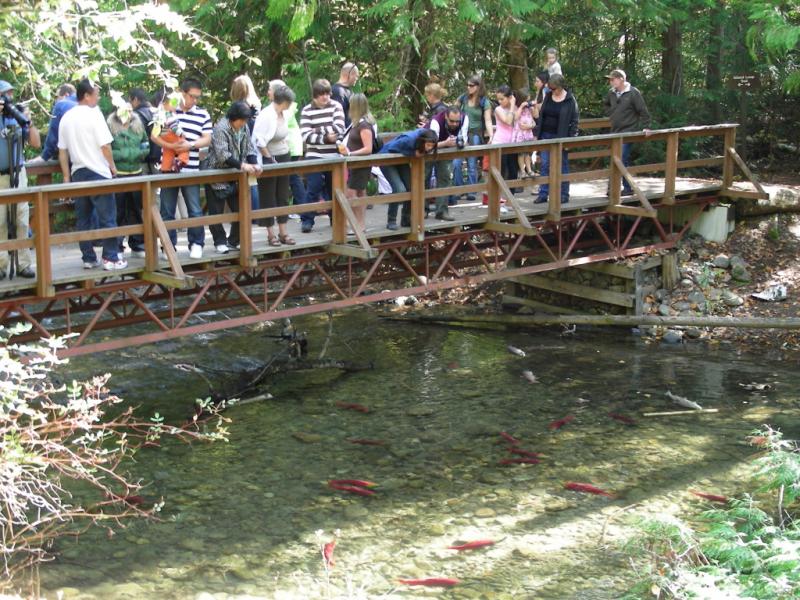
(15, 143)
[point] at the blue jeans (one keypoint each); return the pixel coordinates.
(399, 177)
(626, 160)
(472, 167)
(103, 208)
(253, 197)
(297, 185)
(319, 188)
(544, 189)
(169, 203)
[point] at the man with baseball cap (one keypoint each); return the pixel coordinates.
(14, 133)
(628, 112)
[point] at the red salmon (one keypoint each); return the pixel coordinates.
(353, 489)
(622, 418)
(472, 545)
(558, 424)
(432, 581)
(586, 487)
(358, 482)
(711, 497)
(510, 438)
(353, 406)
(327, 553)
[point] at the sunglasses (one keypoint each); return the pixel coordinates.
(472, 84)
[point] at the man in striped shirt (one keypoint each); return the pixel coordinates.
(321, 124)
(197, 127)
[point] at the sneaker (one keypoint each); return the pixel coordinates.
(114, 265)
(503, 210)
(540, 200)
(27, 273)
(196, 251)
(221, 249)
(626, 193)
(91, 265)
(233, 246)
(446, 216)
(306, 228)
(392, 226)
(139, 253)
(294, 216)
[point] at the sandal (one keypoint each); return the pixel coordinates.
(286, 240)
(273, 241)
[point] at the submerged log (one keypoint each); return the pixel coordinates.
(598, 320)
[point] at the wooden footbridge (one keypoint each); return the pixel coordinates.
(159, 297)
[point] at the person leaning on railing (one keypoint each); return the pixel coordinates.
(13, 175)
(85, 141)
(230, 148)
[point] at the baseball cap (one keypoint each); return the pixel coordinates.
(5, 86)
(617, 73)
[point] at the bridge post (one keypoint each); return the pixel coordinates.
(671, 169)
(339, 220)
(44, 270)
(417, 199)
(615, 176)
(493, 187)
(729, 141)
(554, 176)
(150, 236)
(245, 222)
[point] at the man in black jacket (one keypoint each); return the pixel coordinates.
(628, 112)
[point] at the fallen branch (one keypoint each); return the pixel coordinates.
(612, 320)
(671, 413)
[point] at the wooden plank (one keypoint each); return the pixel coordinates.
(634, 211)
(350, 250)
(615, 179)
(727, 167)
(746, 194)
(338, 215)
(621, 270)
(493, 188)
(746, 170)
(44, 266)
(166, 243)
(150, 235)
(494, 172)
(716, 161)
(554, 201)
(168, 279)
(575, 289)
(543, 306)
(350, 217)
(634, 186)
(589, 154)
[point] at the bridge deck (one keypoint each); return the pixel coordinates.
(67, 266)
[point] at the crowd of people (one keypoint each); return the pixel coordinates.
(169, 132)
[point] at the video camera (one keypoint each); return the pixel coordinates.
(14, 111)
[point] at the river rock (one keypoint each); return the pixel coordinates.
(714, 294)
(485, 512)
(192, 543)
(664, 310)
(693, 333)
(682, 306)
(436, 529)
(671, 336)
(661, 294)
(308, 438)
(740, 273)
(687, 283)
(69, 593)
(355, 511)
(556, 505)
(731, 299)
(697, 297)
(721, 261)
(420, 410)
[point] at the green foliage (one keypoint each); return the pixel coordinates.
(776, 31)
(740, 550)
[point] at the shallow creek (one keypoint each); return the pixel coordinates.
(241, 518)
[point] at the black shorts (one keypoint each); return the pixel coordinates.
(357, 179)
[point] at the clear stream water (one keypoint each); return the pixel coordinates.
(241, 518)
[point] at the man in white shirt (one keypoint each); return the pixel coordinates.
(85, 141)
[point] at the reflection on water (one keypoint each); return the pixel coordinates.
(240, 517)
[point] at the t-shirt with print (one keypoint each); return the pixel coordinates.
(82, 132)
(195, 123)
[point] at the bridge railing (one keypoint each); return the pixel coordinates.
(607, 147)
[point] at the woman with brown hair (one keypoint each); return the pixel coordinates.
(478, 109)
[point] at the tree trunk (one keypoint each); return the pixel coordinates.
(714, 58)
(416, 78)
(517, 56)
(671, 60)
(629, 50)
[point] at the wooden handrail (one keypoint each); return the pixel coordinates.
(154, 228)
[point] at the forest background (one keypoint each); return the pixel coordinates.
(684, 55)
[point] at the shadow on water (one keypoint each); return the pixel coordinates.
(240, 516)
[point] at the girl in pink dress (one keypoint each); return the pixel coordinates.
(523, 130)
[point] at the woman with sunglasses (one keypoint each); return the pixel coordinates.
(478, 109)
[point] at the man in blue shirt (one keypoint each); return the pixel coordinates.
(12, 175)
(65, 100)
